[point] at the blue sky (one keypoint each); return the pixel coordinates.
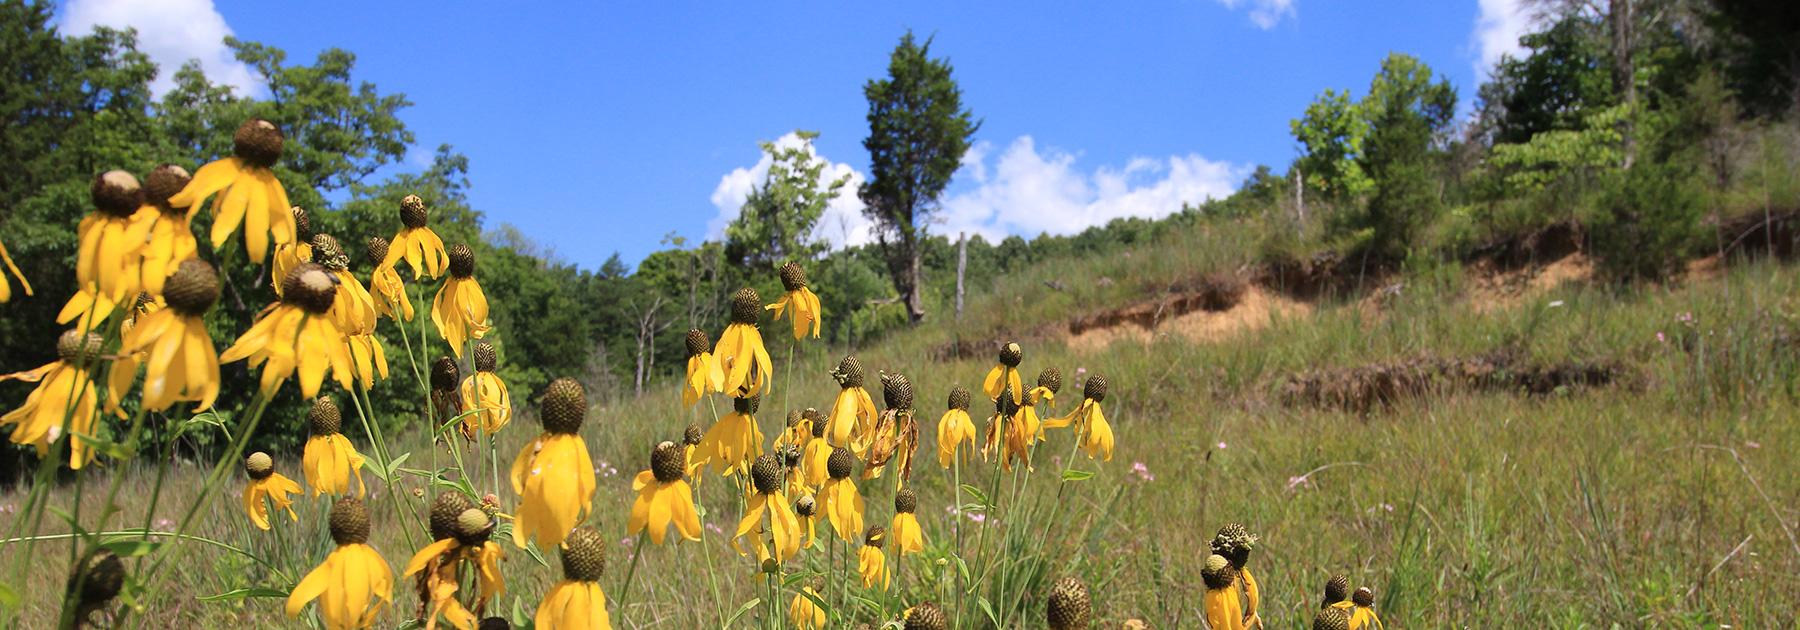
(601, 128)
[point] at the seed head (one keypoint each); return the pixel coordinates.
(692, 435)
(849, 373)
(1337, 589)
(327, 252)
(875, 537)
(303, 231)
(805, 506)
(1011, 354)
(117, 193)
(564, 406)
(698, 343)
(259, 465)
(766, 474)
(959, 398)
(906, 501)
(896, 391)
(193, 288)
(1331, 619)
(1218, 572)
(790, 456)
(462, 261)
(377, 250)
(412, 212)
(747, 405)
(926, 616)
(1068, 605)
(162, 183)
(840, 463)
(817, 419)
(310, 287)
(257, 142)
(486, 359)
(324, 418)
(746, 306)
(102, 580)
(793, 277)
(494, 623)
(584, 555)
(79, 348)
(1235, 542)
(1363, 597)
(473, 527)
(668, 462)
(445, 374)
(349, 521)
(1051, 379)
(1005, 405)
(1094, 389)
(446, 510)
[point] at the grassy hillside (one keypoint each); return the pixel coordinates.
(1481, 446)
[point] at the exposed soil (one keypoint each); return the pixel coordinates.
(1186, 316)
(1378, 386)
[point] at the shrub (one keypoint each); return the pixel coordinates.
(1648, 222)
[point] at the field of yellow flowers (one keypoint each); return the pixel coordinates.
(1162, 482)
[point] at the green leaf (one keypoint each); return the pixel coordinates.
(395, 465)
(243, 593)
(532, 550)
(8, 597)
(1077, 475)
(989, 610)
(131, 548)
(109, 448)
(741, 610)
(980, 496)
(974, 507)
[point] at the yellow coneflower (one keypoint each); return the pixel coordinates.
(735, 440)
(1068, 607)
(794, 433)
(5, 287)
(485, 394)
(806, 508)
(415, 242)
(111, 248)
(289, 254)
(766, 497)
(908, 536)
(1006, 437)
(852, 420)
(814, 457)
(170, 239)
(297, 333)
(353, 583)
(1091, 428)
(804, 611)
(1363, 616)
(460, 310)
(65, 390)
(253, 197)
(353, 310)
(125, 366)
(1049, 382)
(266, 483)
(664, 497)
(741, 353)
(1332, 618)
(329, 459)
(1005, 375)
(897, 434)
(799, 302)
(925, 616)
(843, 505)
(438, 564)
(690, 443)
(955, 427)
(385, 284)
(576, 603)
(1223, 609)
(703, 373)
(445, 403)
(1235, 543)
(793, 476)
(871, 562)
(553, 475)
(1337, 596)
(177, 352)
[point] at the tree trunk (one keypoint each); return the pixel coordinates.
(915, 294)
(1624, 79)
(962, 263)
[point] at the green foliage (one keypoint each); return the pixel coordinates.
(1331, 134)
(1649, 221)
(1556, 85)
(1555, 156)
(1407, 114)
(776, 222)
(918, 132)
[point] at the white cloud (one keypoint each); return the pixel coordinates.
(1265, 14)
(1497, 31)
(171, 32)
(843, 222)
(1021, 190)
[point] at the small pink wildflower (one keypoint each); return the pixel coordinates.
(1142, 471)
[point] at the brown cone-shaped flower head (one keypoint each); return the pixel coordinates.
(693, 435)
(79, 348)
(445, 510)
(473, 527)
(906, 501)
(875, 537)
(1011, 354)
(324, 418)
(747, 405)
(102, 580)
(959, 398)
(790, 456)
(1331, 619)
(302, 224)
(1235, 542)
(486, 358)
(1068, 605)
(896, 391)
(259, 465)
(849, 373)
(193, 288)
(1217, 573)
(445, 374)
(310, 287)
(1363, 597)
(462, 261)
(746, 306)
(817, 419)
(376, 250)
(1051, 379)
(793, 277)
(1337, 589)
(927, 616)
(162, 183)
(806, 507)
(766, 474)
(698, 343)
(412, 211)
(840, 463)
(349, 521)
(327, 252)
(667, 462)
(564, 406)
(584, 555)
(117, 193)
(1094, 389)
(1005, 405)
(257, 142)
(494, 623)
